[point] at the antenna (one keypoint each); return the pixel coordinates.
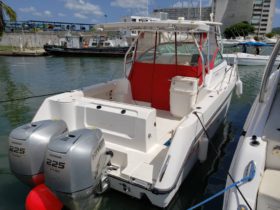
(147, 8)
(200, 9)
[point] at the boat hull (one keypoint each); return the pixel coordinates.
(163, 199)
(90, 51)
(244, 59)
(246, 151)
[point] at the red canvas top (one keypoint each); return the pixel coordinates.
(151, 82)
(151, 74)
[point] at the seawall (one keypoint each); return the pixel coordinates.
(34, 40)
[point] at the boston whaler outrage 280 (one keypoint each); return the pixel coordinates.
(140, 134)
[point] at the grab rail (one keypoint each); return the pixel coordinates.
(268, 70)
(202, 59)
(131, 48)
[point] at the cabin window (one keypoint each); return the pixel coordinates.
(165, 53)
(215, 58)
(187, 54)
(219, 59)
(146, 47)
(163, 50)
(147, 57)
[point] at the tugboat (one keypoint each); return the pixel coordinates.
(83, 46)
(141, 134)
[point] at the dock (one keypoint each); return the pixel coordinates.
(26, 52)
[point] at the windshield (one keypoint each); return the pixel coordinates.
(165, 51)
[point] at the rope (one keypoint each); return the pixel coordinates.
(235, 184)
(232, 185)
(31, 97)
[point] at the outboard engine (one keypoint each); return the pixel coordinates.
(27, 147)
(75, 166)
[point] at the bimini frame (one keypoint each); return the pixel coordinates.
(175, 26)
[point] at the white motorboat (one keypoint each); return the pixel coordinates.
(247, 59)
(141, 134)
(236, 41)
(230, 42)
(270, 40)
(259, 145)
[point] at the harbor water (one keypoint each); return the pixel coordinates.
(23, 77)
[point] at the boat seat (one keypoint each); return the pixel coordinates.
(151, 82)
(128, 125)
(269, 191)
(101, 90)
(187, 60)
(116, 90)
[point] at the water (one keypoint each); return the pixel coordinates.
(23, 77)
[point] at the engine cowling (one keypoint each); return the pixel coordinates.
(27, 147)
(74, 165)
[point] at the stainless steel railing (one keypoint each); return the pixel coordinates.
(268, 70)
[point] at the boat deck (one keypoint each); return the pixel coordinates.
(166, 125)
(131, 160)
(272, 128)
(272, 134)
(269, 191)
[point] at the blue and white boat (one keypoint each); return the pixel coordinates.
(248, 59)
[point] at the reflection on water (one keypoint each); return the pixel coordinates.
(21, 77)
(14, 111)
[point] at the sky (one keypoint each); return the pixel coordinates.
(95, 11)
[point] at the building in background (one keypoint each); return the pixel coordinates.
(257, 12)
(230, 12)
(262, 17)
(192, 13)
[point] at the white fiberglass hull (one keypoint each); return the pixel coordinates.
(158, 172)
(162, 199)
(262, 124)
(246, 59)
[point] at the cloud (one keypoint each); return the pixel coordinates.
(35, 12)
(130, 4)
(61, 14)
(136, 7)
(83, 7)
(194, 3)
(81, 16)
(39, 14)
(277, 11)
(48, 13)
(27, 9)
(181, 4)
(140, 12)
